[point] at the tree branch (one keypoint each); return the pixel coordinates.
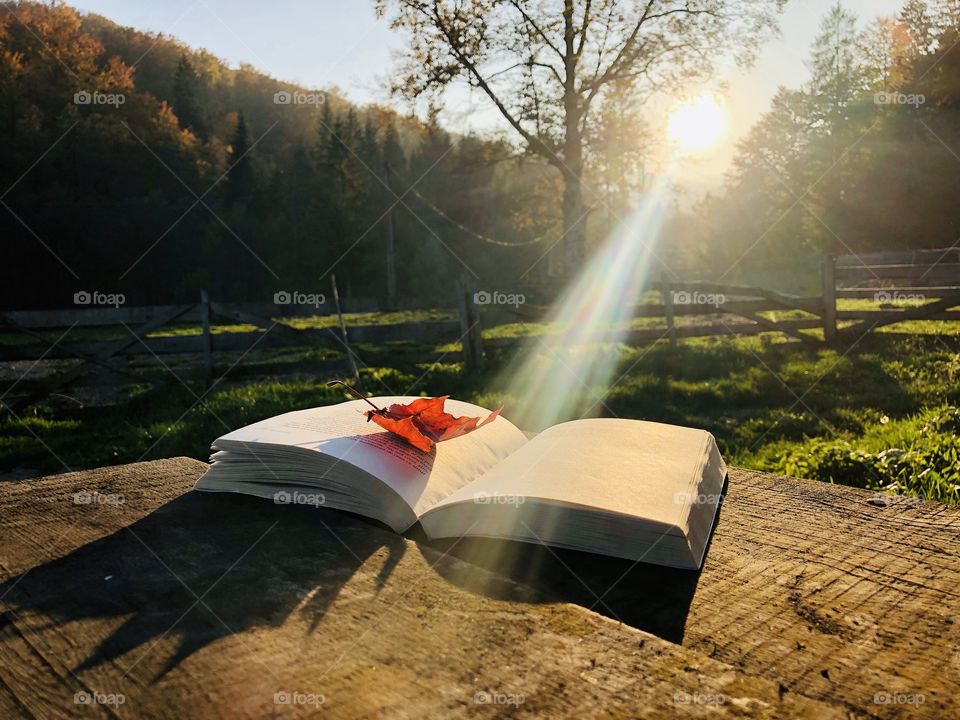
(583, 27)
(536, 143)
(536, 28)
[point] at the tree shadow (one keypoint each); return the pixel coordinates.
(649, 597)
(203, 567)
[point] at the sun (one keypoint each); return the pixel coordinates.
(697, 125)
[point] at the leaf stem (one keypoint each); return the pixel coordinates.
(356, 393)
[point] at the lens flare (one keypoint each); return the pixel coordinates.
(697, 126)
(564, 374)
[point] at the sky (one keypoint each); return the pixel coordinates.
(324, 43)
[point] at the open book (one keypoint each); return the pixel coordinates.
(626, 488)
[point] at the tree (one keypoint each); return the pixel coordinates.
(393, 160)
(920, 21)
(240, 179)
(545, 64)
(187, 102)
(840, 113)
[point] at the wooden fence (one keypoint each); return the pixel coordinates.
(915, 285)
(927, 281)
(140, 322)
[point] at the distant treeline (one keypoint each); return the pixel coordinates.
(865, 156)
(131, 163)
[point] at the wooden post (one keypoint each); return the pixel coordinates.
(470, 330)
(391, 249)
(828, 291)
(207, 339)
(351, 362)
(666, 291)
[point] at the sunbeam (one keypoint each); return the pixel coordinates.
(564, 374)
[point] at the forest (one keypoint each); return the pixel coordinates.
(205, 176)
(132, 163)
(865, 156)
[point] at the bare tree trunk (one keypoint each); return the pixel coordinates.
(573, 216)
(391, 256)
(574, 225)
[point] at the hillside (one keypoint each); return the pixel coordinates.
(139, 165)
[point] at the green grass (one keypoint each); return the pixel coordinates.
(881, 415)
(918, 455)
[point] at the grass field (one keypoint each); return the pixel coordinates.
(882, 414)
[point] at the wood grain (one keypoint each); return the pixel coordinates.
(189, 604)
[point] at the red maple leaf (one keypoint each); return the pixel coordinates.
(423, 422)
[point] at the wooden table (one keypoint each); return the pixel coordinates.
(126, 595)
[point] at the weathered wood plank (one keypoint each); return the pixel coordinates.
(138, 315)
(681, 331)
(781, 301)
(241, 341)
(901, 257)
(775, 326)
(938, 274)
(895, 314)
(918, 312)
(828, 291)
(107, 351)
(840, 593)
(401, 332)
(685, 309)
(188, 604)
(879, 294)
(97, 316)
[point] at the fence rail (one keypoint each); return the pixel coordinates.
(927, 280)
(914, 277)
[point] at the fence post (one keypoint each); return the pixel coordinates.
(391, 247)
(666, 291)
(351, 363)
(828, 290)
(206, 338)
(471, 335)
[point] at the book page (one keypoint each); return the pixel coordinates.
(420, 479)
(629, 467)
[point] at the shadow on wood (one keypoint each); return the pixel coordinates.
(649, 597)
(200, 568)
(207, 566)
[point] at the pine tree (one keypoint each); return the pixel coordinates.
(241, 176)
(187, 102)
(835, 80)
(920, 22)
